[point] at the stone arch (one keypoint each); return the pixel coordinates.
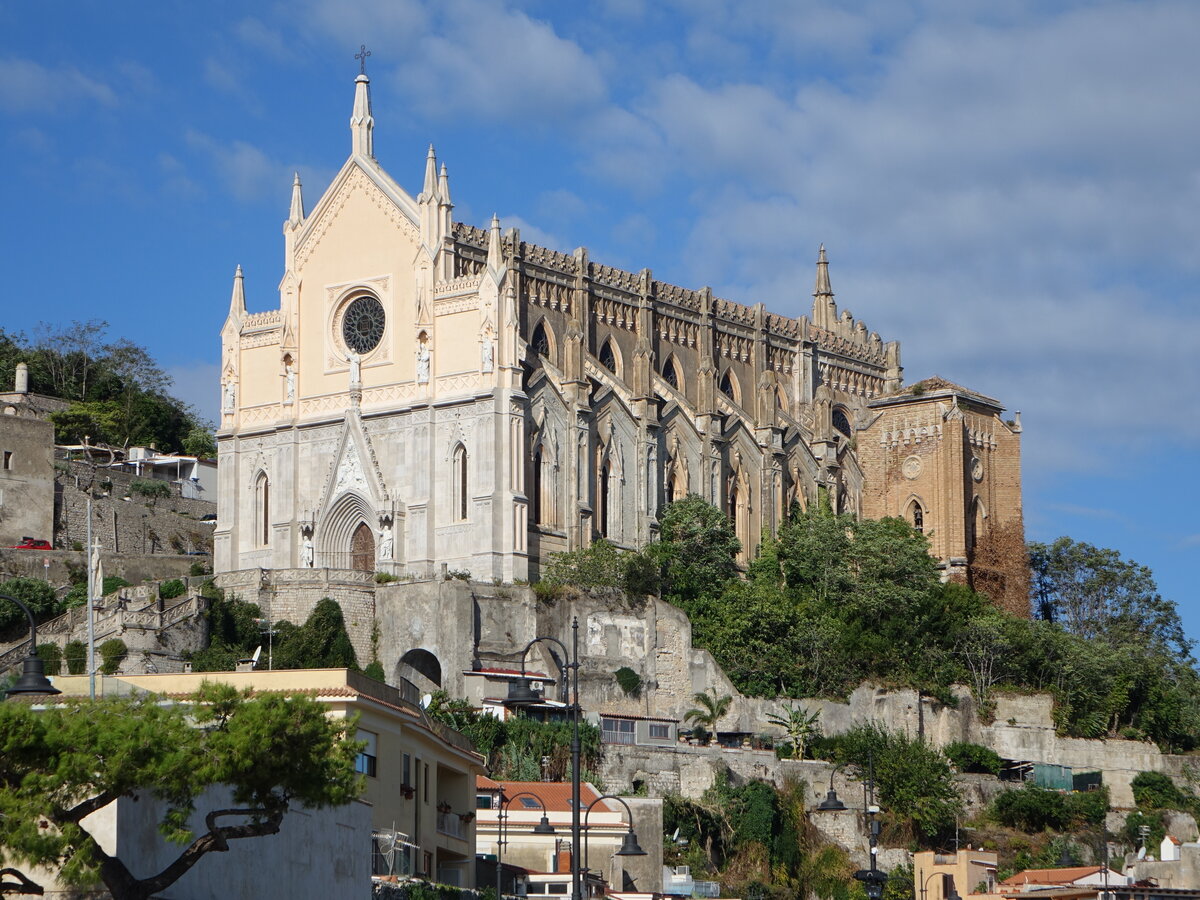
(541, 340)
(975, 523)
(422, 668)
(914, 514)
(609, 356)
(672, 373)
(262, 509)
(730, 387)
(335, 535)
(460, 482)
(841, 421)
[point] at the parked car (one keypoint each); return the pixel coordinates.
(29, 543)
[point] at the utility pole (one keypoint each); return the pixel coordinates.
(92, 553)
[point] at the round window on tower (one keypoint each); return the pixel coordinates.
(362, 324)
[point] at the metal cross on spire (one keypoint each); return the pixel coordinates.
(361, 56)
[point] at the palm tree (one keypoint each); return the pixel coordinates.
(708, 710)
(799, 726)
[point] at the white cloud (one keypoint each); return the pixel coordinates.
(28, 86)
(492, 63)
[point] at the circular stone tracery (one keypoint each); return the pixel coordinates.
(362, 325)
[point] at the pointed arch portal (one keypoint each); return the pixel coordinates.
(362, 549)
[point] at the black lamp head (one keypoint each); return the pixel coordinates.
(543, 827)
(831, 803)
(521, 693)
(33, 678)
(630, 845)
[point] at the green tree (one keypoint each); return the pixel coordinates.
(200, 442)
(320, 643)
(113, 652)
(75, 656)
(272, 751)
(709, 710)
(38, 595)
(799, 725)
(697, 550)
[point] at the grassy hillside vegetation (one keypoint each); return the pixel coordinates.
(835, 601)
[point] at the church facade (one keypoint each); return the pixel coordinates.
(429, 394)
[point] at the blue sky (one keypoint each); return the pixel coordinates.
(1011, 190)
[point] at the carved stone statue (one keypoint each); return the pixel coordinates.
(289, 374)
(385, 542)
(423, 364)
(230, 395)
(487, 354)
(355, 361)
(306, 553)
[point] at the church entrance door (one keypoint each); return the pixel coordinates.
(362, 549)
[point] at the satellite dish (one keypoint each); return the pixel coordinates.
(426, 699)
(257, 654)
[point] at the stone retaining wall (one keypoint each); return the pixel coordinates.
(135, 525)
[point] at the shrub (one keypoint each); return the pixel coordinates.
(913, 778)
(75, 656)
(171, 589)
(77, 595)
(375, 670)
(34, 593)
(1088, 807)
(629, 680)
(113, 652)
(968, 757)
(151, 488)
(1031, 809)
(51, 656)
(1154, 790)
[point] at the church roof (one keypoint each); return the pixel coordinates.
(934, 387)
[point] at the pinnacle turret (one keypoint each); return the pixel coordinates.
(362, 123)
(444, 187)
(823, 288)
(237, 302)
(495, 257)
(296, 213)
(429, 188)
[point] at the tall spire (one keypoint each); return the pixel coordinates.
(362, 124)
(495, 257)
(237, 302)
(429, 188)
(296, 214)
(822, 289)
(444, 186)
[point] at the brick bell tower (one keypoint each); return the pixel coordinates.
(942, 457)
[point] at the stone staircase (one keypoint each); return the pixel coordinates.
(134, 614)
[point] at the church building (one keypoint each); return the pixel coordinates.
(430, 394)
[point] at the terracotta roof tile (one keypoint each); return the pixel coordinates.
(556, 795)
(1052, 876)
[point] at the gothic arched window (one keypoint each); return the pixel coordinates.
(670, 376)
(460, 485)
(262, 510)
(540, 341)
(608, 357)
(603, 505)
(535, 488)
(729, 386)
(916, 516)
(841, 422)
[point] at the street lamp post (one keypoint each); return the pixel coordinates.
(629, 841)
(33, 678)
(873, 878)
(521, 694)
(542, 827)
